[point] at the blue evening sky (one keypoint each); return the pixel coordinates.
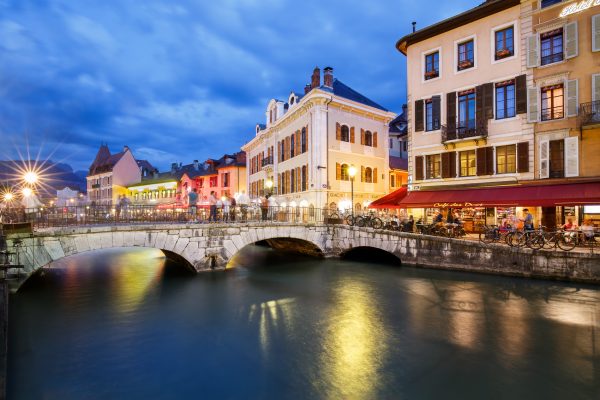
(184, 80)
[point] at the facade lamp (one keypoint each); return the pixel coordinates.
(269, 185)
(352, 174)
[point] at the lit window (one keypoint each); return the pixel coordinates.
(552, 102)
(506, 159)
(434, 164)
(468, 163)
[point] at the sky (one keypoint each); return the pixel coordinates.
(184, 80)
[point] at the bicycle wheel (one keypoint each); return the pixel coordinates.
(376, 223)
(535, 240)
(359, 221)
(517, 239)
(566, 242)
(487, 236)
(350, 220)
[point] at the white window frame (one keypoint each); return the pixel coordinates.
(499, 121)
(455, 51)
(539, 40)
(442, 116)
(423, 63)
(516, 41)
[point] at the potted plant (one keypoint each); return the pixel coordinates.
(502, 53)
(465, 64)
(431, 74)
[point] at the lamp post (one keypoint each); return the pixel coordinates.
(269, 186)
(351, 174)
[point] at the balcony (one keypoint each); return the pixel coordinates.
(589, 114)
(267, 161)
(95, 186)
(473, 130)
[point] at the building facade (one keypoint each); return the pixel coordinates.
(563, 57)
(304, 153)
(110, 174)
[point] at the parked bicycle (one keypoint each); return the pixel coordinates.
(368, 220)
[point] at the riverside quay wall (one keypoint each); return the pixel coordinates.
(206, 247)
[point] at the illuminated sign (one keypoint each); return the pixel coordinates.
(577, 7)
(465, 204)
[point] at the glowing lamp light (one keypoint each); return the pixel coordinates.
(269, 184)
(352, 171)
(223, 198)
(30, 177)
(27, 192)
(8, 197)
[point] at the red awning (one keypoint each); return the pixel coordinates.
(390, 200)
(506, 196)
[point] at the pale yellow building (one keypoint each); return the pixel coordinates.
(311, 140)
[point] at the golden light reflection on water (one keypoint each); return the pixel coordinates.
(464, 307)
(512, 322)
(135, 273)
(356, 344)
(273, 316)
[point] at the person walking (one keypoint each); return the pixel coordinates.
(212, 202)
(193, 204)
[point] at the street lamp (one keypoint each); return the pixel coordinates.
(269, 185)
(27, 192)
(352, 174)
(30, 177)
(8, 197)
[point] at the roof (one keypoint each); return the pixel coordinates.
(399, 125)
(398, 163)
(212, 166)
(104, 161)
(485, 9)
(145, 164)
(342, 90)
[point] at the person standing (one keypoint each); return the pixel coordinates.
(233, 204)
(264, 207)
(243, 201)
(272, 207)
(212, 202)
(124, 205)
(193, 204)
(527, 220)
(226, 208)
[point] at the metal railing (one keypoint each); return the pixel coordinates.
(461, 130)
(589, 113)
(267, 161)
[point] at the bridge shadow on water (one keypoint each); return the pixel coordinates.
(371, 255)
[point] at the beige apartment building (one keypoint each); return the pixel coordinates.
(303, 154)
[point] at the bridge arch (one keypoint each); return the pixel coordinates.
(370, 254)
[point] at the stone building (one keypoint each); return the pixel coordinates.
(303, 154)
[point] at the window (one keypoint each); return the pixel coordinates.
(391, 144)
(468, 166)
(368, 175)
(434, 164)
(225, 179)
(345, 176)
(505, 46)
(466, 55)
(368, 138)
(304, 180)
(552, 102)
(432, 121)
(213, 181)
(392, 180)
(293, 180)
(405, 145)
(557, 159)
(552, 46)
(432, 65)
(506, 159)
(292, 145)
(303, 140)
(548, 3)
(505, 100)
(345, 134)
(466, 110)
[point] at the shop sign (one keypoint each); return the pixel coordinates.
(465, 204)
(577, 7)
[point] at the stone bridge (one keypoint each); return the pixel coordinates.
(206, 247)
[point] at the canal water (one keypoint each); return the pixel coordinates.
(126, 324)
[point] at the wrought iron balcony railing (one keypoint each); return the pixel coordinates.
(464, 130)
(589, 113)
(267, 161)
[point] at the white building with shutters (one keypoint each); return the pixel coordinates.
(467, 99)
(563, 55)
(309, 142)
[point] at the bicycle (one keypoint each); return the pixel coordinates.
(368, 220)
(532, 238)
(566, 241)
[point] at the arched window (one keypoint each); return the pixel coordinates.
(292, 145)
(304, 183)
(303, 140)
(345, 134)
(344, 176)
(368, 175)
(293, 179)
(333, 206)
(368, 138)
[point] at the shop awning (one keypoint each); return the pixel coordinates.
(390, 200)
(568, 194)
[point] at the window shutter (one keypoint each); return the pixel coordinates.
(436, 111)
(532, 104)
(362, 173)
(521, 87)
(489, 160)
(374, 175)
(481, 163)
(451, 112)
(479, 105)
(596, 32)
(572, 97)
(338, 171)
(374, 139)
(533, 52)
(446, 165)
(488, 100)
(419, 126)
(419, 168)
(523, 157)
(544, 159)
(452, 164)
(338, 131)
(571, 40)
(307, 135)
(362, 136)
(571, 156)
(352, 135)
(298, 142)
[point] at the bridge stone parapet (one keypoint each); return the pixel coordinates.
(205, 247)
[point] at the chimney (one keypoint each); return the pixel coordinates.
(173, 167)
(405, 110)
(414, 24)
(315, 80)
(307, 88)
(328, 77)
(196, 165)
(125, 148)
